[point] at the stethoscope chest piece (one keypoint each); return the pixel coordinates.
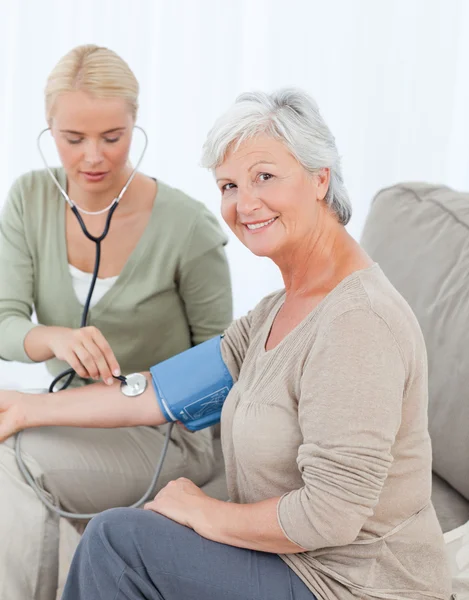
(135, 384)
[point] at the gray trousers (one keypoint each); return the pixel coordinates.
(134, 554)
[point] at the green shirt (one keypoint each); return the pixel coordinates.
(173, 292)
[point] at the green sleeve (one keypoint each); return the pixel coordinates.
(204, 280)
(16, 280)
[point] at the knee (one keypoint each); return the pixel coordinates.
(108, 530)
(122, 528)
(109, 522)
(129, 531)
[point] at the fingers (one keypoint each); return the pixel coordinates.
(95, 362)
(74, 361)
(92, 357)
(86, 360)
(107, 354)
(12, 416)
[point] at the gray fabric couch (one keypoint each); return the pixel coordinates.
(419, 234)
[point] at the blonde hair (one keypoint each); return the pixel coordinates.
(95, 70)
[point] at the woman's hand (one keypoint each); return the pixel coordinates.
(86, 350)
(12, 413)
(182, 501)
(254, 526)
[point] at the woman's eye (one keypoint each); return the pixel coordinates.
(112, 140)
(227, 187)
(265, 176)
(74, 141)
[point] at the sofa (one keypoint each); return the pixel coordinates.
(419, 234)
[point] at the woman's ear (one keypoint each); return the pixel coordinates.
(323, 178)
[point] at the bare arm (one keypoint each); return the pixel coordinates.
(36, 343)
(96, 405)
(254, 526)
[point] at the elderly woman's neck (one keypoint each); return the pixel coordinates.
(321, 262)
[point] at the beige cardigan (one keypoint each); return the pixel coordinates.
(334, 420)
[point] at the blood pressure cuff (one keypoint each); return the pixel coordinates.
(191, 387)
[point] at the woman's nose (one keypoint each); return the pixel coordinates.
(247, 201)
(93, 153)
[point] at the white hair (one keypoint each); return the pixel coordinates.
(293, 117)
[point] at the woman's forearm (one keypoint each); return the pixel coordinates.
(253, 526)
(36, 343)
(95, 405)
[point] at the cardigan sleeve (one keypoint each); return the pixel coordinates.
(349, 412)
(204, 279)
(16, 278)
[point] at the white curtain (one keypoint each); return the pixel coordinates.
(391, 78)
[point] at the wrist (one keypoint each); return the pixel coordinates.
(205, 518)
(38, 343)
(36, 410)
(48, 335)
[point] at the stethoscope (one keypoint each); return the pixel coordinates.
(70, 373)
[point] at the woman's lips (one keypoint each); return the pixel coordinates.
(94, 176)
(259, 226)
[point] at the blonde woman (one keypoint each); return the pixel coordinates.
(163, 286)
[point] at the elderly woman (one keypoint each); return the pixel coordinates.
(327, 454)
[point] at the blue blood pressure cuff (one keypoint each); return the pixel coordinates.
(191, 387)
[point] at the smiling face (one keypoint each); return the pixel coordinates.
(269, 200)
(93, 137)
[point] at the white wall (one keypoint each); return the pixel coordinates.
(391, 78)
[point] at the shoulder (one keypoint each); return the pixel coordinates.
(39, 179)
(188, 220)
(32, 205)
(264, 308)
(368, 307)
(180, 204)
(268, 302)
(255, 318)
(35, 187)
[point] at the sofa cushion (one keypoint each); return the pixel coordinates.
(419, 234)
(451, 508)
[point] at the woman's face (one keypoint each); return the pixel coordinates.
(269, 200)
(93, 137)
